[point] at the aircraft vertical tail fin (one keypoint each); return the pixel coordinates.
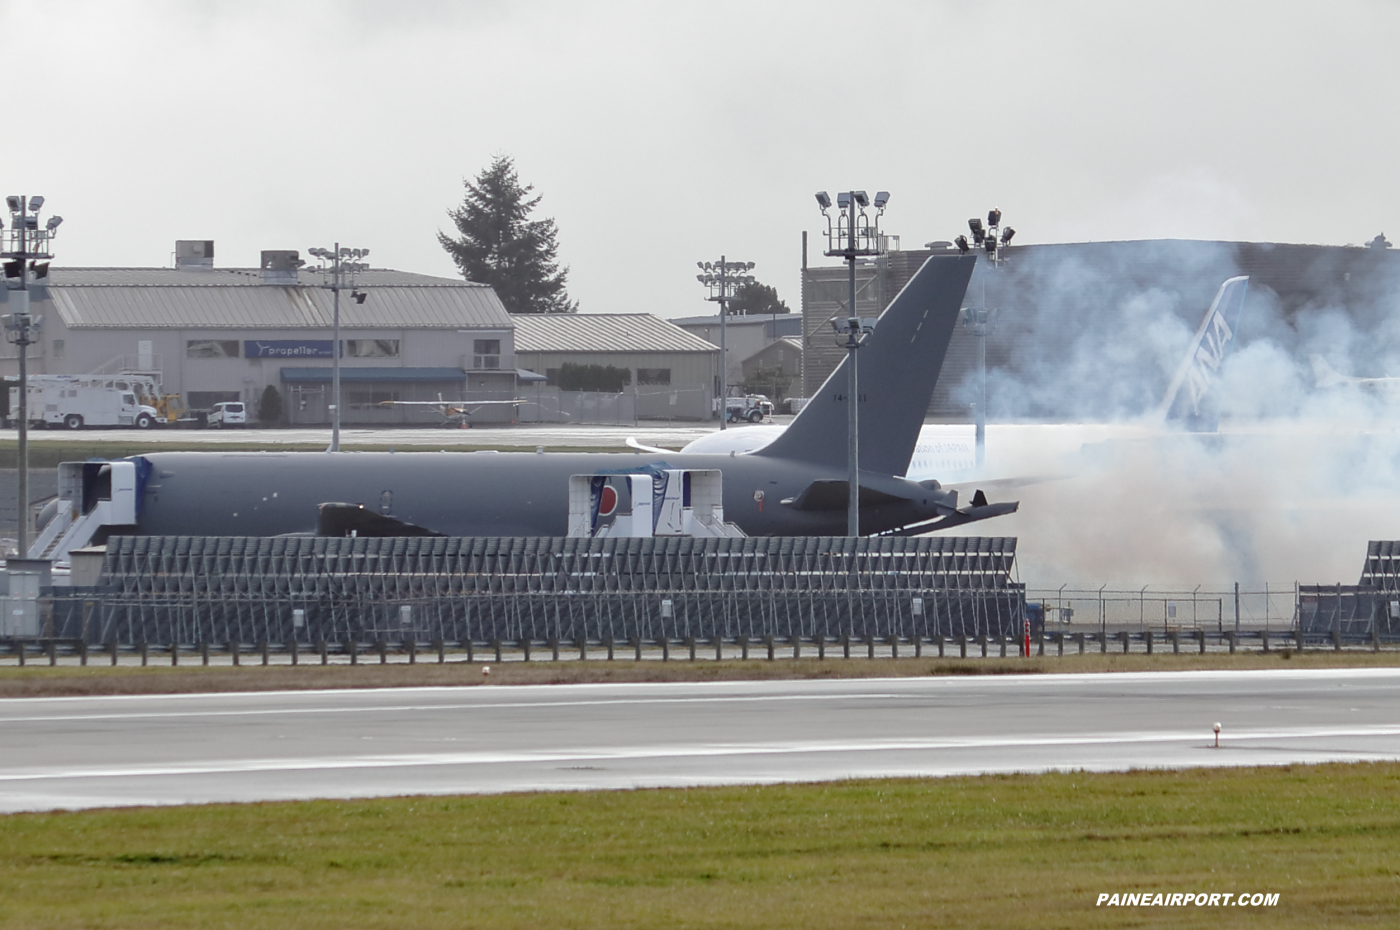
(1324, 374)
(897, 370)
(1187, 399)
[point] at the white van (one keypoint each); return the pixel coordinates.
(229, 413)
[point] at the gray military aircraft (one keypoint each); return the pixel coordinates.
(797, 485)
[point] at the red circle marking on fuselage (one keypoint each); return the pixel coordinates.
(607, 501)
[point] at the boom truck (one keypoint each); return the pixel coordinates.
(75, 401)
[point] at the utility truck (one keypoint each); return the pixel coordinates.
(75, 401)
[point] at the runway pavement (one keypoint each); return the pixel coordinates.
(176, 749)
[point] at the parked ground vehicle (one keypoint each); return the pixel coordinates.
(75, 401)
(228, 413)
(751, 407)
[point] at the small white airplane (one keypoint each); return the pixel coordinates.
(458, 412)
(1327, 377)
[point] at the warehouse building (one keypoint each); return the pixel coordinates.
(211, 334)
(659, 370)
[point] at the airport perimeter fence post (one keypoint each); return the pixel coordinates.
(496, 645)
(744, 648)
(1231, 637)
(1103, 643)
(112, 647)
(262, 647)
(962, 645)
(145, 652)
(412, 651)
(821, 646)
(1336, 640)
(919, 646)
(637, 648)
(719, 646)
(582, 643)
(295, 650)
(554, 648)
(1176, 642)
(323, 650)
(665, 649)
(82, 651)
(19, 650)
(524, 644)
(796, 640)
(1264, 638)
(174, 654)
(846, 644)
(466, 644)
(1079, 639)
(982, 641)
(893, 640)
(609, 645)
(52, 650)
(1201, 641)
(768, 641)
(353, 644)
(690, 645)
(939, 642)
(870, 645)
(1040, 644)
(1147, 638)
(1001, 641)
(1124, 636)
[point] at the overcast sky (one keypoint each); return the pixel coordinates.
(663, 133)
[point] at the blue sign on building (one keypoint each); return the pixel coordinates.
(288, 348)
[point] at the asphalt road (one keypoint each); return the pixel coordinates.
(177, 749)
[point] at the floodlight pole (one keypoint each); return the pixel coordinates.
(979, 321)
(336, 272)
(722, 282)
(851, 208)
(19, 329)
(335, 352)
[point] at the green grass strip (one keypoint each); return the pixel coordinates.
(1003, 851)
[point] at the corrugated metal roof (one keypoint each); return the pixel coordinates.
(232, 277)
(323, 375)
(602, 332)
(162, 298)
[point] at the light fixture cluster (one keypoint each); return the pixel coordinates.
(853, 233)
(992, 237)
(26, 242)
(732, 274)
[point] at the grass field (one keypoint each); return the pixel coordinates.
(37, 680)
(1006, 851)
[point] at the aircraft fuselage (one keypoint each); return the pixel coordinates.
(466, 494)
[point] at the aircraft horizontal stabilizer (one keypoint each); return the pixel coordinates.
(982, 511)
(354, 520)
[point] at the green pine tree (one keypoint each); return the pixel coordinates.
(756, 298)
(498, 244)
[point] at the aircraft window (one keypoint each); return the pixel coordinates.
(372, 348)
(211, 348)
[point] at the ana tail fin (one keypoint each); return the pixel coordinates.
(897, 369)
(1186, 396)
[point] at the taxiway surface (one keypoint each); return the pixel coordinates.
(177, 749)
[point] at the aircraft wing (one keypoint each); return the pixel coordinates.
(455, 405)
(632, 443)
